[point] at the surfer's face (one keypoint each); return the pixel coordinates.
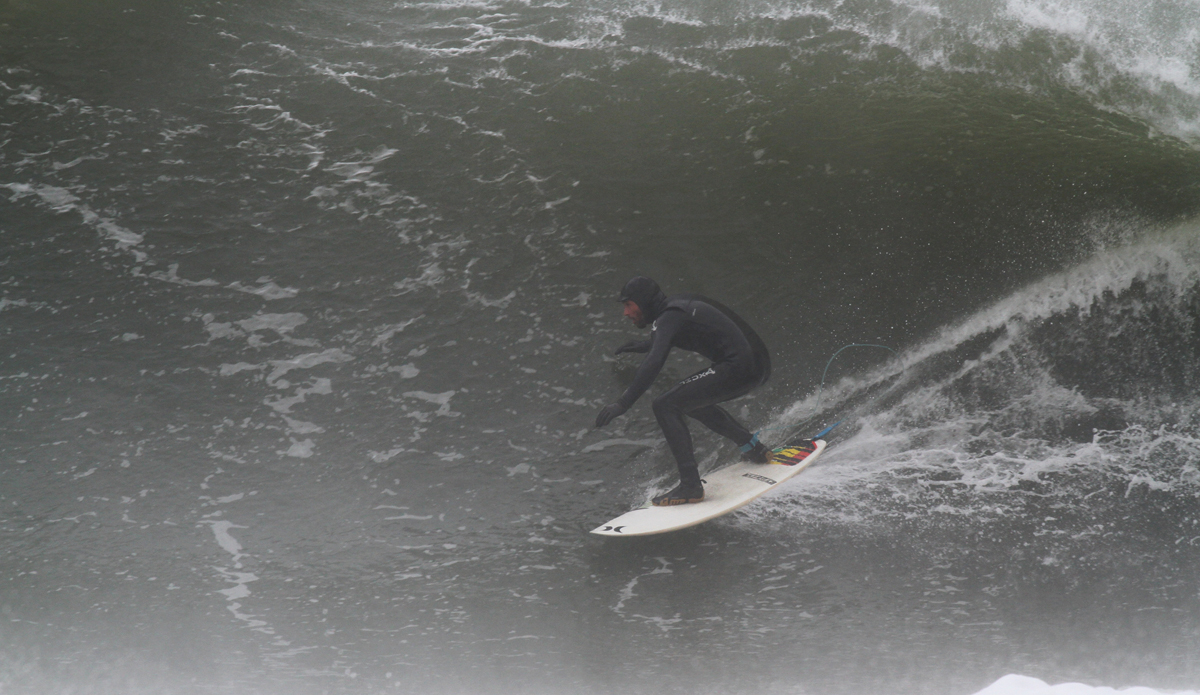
(633, 312)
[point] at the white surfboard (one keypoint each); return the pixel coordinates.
(725, 490)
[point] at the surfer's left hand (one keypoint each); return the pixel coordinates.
(609, 412)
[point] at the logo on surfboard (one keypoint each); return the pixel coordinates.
(761, 478)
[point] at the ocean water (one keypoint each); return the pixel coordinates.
(307, 309)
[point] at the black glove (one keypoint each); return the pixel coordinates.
(609, 412)
(634, 346)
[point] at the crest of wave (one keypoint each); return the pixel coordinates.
(1130, 56)
(981, 404)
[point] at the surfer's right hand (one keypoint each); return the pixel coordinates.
(609, 412)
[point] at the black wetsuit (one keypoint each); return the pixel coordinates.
(740, 362)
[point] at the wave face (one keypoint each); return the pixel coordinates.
(306, 311)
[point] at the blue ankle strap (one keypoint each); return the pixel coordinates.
(750, 444)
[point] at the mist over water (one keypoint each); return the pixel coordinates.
(306, 310)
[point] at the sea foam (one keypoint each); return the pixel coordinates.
(1024, 685)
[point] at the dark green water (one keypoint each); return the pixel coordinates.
(306, 310)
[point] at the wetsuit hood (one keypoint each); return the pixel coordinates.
(647, 295)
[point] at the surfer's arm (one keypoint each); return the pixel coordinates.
(660, 346)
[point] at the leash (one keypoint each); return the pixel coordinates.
(820, 394)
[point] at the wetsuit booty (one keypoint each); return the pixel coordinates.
(759, 454)
(684, 493)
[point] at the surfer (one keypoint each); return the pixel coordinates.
(739, 363)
